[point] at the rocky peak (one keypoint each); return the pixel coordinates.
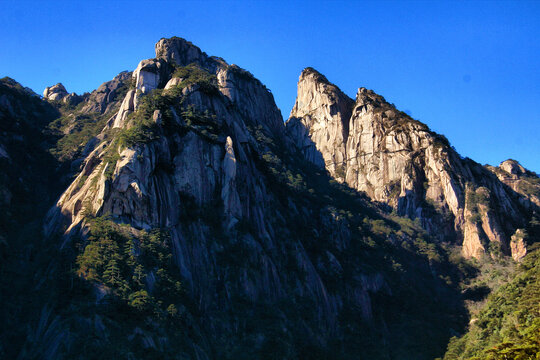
(55, 92)
(104, 98)
(394, 159)
(319, 121)
(254, 100)
(210, 165)
(238, 85)
(312, 73)
(179, 51)
(368, 98)
(315, 92)
(512, 167)
(176, 50)
(521, 180)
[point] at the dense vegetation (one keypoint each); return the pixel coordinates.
(194, 75)
(73, 132)
(76, 126)
(26, 168)
(28, 187)
(508, 326)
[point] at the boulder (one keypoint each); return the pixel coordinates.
(55, 92)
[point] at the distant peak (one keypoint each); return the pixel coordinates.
(317, 76)
(55, 92)
(316, 92)
(512, 166)
(176, 42)
(179, 51)
(367, 96)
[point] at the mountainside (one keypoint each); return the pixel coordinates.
(196, 224)
(508, 326)
(26, 167)
(372, 147)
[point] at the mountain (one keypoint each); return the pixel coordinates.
(193, 223)
(25, 164)
(372, 147)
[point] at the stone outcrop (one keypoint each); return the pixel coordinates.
(177, 176)
(105, 97)
(521, 180)
(518, 245)
(127, 106)
(253, 99)
(175, 81)
(55, 92)
(181, 52)
(229, 194)
(323, 110)
(375, 148)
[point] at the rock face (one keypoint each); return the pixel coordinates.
(518, 245)
(376, 149)
(55, 92)
(175, 81)
(178, 51)
(127, 106)
(103, 99)
(323, 110)
(521, 180)
(213, 164)
(229, 194)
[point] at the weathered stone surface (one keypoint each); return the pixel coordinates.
(521, 180)
(175, 81)
(156, 117)
(55, 92)
(323, 110)
(512, 167)
(518, 245)
(253, 99)
(375, 148)
(185, 174)
(182, 52)
(229, 194)
(238, 233)
(147, 76)
(127, 106)
(103, 99)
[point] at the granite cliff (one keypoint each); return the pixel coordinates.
(372, 147)
(193, 223)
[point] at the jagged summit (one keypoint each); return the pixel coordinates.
(512, 166)
(315, 74)
(181, 52)
(375, 148)
(366, 96)
(55, 92)
(324, 110)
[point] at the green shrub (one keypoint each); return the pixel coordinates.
(193, 74)
(508, 326)
(119, 258)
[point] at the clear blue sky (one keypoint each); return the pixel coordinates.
(470, 70)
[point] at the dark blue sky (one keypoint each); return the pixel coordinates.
(470, 70)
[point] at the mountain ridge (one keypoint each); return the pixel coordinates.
(405, 165)
(199, 225)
